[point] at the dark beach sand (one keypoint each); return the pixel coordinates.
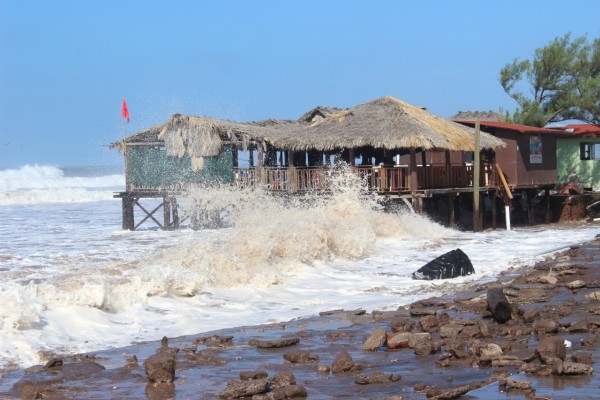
(541, 308)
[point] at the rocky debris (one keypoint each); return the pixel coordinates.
(215, 341)
(300, 357)
(505, 384)
(571, 368)
(489, 352)
(450, 330)
(398, 340)
(249, 375)
(578, 284)
(283, 379)
(344, 363)
(429, 323)
(581, 326)
(55, 362)
(274, 343)
(402, 325)
(323, 369)
(376, 377)
(283, 393)
(452, 264)
(543, 326)
(449, 394)
(582, 357)
(239, 389)
(550, 349)
(376, 340)
(160, 368)
(498, 305)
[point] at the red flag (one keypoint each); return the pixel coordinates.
(124, 110)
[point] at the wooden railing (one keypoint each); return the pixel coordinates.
(379, 178)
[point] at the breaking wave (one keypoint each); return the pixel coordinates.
(35, 184)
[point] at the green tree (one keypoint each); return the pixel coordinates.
(564, 82)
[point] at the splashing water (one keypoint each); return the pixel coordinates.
(278, 257)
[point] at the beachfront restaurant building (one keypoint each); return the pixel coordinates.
(378, 140)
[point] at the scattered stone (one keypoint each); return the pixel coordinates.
(531, 315)
(550, 349)
(323, 369)
(450, 330)
(402, 325)
(236, 390)
(160, 368)
(52, 363)
(578, 284)
(398, 340)
(579, 326)
(582, 357)
(450, 394)
(422, 311)
(248, 375)
(549, 279)
(429, 323)
(283, 379)
(274, 343)
(300, 357)
(518, 384)
(544, 326)
(571, 368)
(376, 340)
(593, 296)
(489, 352)
(215, 341)
(376, 377)
(342, 363)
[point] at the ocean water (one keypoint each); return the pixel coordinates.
(72, 281)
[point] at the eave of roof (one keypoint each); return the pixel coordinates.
(510, 127)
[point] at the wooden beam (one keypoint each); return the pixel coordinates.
(476, 166)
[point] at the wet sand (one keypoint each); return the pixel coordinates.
(555, 298)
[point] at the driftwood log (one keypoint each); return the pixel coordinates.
(498, 305)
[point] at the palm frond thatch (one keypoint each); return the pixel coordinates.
(386, 123)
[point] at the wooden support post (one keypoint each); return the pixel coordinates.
(128, 216)
(413, 183)
(259, 172)
(166, 213)
(494, 210)
(175, 208)
(548, 208)
(530, 209)
(451, 210)
(476, 166)
(351, 157)
(423, 158)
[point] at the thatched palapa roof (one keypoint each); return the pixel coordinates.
(386, 123)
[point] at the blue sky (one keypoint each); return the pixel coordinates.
(66, 65)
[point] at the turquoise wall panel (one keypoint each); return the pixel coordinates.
(152, 167)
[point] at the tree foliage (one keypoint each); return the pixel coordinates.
(564, 82)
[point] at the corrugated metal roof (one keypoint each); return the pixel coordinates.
(511, 127)
(581, 129)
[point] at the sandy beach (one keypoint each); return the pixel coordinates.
(438, 348)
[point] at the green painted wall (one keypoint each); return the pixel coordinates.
(568, 159)
(150, 166)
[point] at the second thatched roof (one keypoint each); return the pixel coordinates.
(386, 123)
